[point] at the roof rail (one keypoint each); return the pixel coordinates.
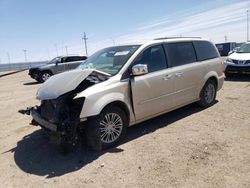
(161, 38)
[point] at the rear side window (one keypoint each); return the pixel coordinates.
(73, 58)
(154, 57)
(180, 53)
(205, 50)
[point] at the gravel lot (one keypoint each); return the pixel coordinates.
(190, 147)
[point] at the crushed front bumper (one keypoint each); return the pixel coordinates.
(41, 121)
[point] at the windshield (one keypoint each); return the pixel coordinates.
(109, 60)
(245, 48)
(54, 60)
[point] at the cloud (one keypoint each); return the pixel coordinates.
(229, 19)
(214, 24)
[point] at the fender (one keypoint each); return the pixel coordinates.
(92, 107)
(207, 76)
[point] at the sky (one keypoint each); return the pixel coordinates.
(48, 28)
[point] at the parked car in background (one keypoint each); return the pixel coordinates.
(225, 47)
(123, 85)
(238, 62)
(55, 66)
(234, 50)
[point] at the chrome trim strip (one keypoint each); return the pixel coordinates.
(165, 95)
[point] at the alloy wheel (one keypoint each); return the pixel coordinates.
(45, 76)
(209, 93)
(110, 128)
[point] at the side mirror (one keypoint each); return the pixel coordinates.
(58, 61)
(139, 69)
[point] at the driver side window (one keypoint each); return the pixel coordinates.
(154, 57)
(63, 60)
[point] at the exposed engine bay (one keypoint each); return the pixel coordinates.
(61, 115)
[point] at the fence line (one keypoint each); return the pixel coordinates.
(20, 66)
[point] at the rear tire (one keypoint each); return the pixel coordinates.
(208, 94)
(107, 129)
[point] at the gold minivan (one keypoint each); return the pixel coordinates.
(123, 85)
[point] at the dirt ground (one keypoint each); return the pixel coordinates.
(190, 147)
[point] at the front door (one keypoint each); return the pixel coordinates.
(153, 92)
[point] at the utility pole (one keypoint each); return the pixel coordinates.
(66, 48)
(225, 38)
(25, 55)
(8, 55)
(85, 43)
(113, 40)
(56, 50)
(48, 54)
(62, 47)
(247, 25)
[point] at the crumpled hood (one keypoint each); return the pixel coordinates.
(62, 83)
(240, 56)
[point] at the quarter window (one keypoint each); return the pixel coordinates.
(181, 53)
(205, 50)
(82, 58)
(153, 57)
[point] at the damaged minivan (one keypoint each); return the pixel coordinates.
(121, 86)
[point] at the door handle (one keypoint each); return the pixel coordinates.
(167, 77)
(179, 74)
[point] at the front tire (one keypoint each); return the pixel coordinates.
(45, 75)
(228, 75)
(208, 94)
(107, 129)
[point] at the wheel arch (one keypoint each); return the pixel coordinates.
(46, 70)
(121, 105)
(210, 76)
(213, 78)
(93, 107)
